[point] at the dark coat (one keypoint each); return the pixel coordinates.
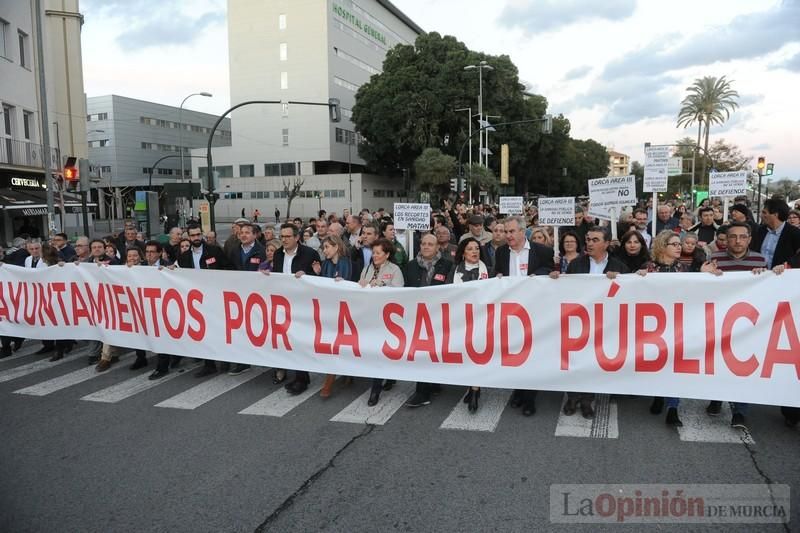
(788, 243)
(580, 265)
(17, 257)
(67, 253)
(415, 275)
(540, 260)
(213, 258)
(302, 261)
(250, 263)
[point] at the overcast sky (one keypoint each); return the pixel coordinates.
(616, 68)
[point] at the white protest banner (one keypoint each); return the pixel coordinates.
(412, 216)
(675, 167)
(656, 165)
(689, 335)
(511, 205)
(611, 192)
(727, 183)
(557, 211)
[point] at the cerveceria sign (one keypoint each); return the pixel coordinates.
(30, 183)
(353, 20)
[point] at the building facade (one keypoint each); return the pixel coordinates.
(25, 169)
(618, 163)
(302, 51)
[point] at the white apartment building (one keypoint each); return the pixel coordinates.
(302, 51)
(23, 164)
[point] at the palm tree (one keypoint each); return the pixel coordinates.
(710, 101)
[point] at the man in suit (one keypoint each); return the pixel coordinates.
(596, 260)
(775, 239)
(521, 257)
(246, 257)
(361, 255)
(291, 258)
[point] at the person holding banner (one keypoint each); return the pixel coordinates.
(597, 260)
(632, 250)
(520, 257)
(429, 269)
(469, 267)
(666, 258)
(381, 272)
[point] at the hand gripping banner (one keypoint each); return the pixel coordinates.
(733, 337)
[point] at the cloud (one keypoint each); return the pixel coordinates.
(762, 146)
(792, 64)
(745, 37)
(164, 31)
(577, 73)
(541, 16)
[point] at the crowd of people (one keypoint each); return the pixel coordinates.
(465, 244)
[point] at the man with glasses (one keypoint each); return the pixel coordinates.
(596, 260)
(82, 252)
(517, 258)
(66, 252)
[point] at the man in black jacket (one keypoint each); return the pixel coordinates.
(291, 258)
(428, 269)
(361, 255)
(597, 260)
(775, 239)
(521, 257)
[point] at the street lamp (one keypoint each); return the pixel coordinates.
(480, 66)
(469, 136)
(180, 139)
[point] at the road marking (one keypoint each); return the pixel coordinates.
(210, 389)
(699, 427)
(281, 402)
(28, 348)
(135, 385)
(68, 380)
(491, 405)
(358, 412)
(604, 425)
(36, 366)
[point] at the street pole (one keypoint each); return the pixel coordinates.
(180, 142)
(758, 208)
(45, 121)
(350, 172)
(480, 66)
(469, 136)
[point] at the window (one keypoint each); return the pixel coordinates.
(99, 143)
(5, 27)
(284, 80)
(105, 171)
(285, 136)
(202, 172)
(23, 49)
(288, 169)
(27, 124)
(247, 171)
(282, 21)
(8, 119)
(284, 110)
(284, 52)
(344, 83)
(272, 169)
(225, 171)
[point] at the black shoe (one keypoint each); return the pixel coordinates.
(140, 362)
(57, 356)
(473, 401)
(17, 345)
(657, 407)
(418, 400)
(93, 360)
(239, 369)
(296, 387)
(737, 421)
(586, 410)
(468, 396)
(672, 417)
(44, 350)
(714, 408)
(529, 409)
(374, 396)
(388, 384)
(570, 407)
(5, 352)
(157, 374)
(206, 371)
(516, 399)
(70, 345)
(279, 376)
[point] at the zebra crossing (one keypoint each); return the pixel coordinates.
(698, 426)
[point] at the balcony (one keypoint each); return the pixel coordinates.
(25, 154)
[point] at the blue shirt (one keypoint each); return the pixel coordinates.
(770, 243)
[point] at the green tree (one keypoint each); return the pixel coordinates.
(482, 179)
(637, 169)
(710, 101)
(434, 170)
(728, 157)
(786, 187)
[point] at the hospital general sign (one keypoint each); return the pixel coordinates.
(353, 20)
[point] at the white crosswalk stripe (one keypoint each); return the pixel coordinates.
(210, 389)
(358, 412)
(68, 380)
(281, 402)
(36, 366)
(604, 425)
(491, 405)
(133, 386)
(698, 426)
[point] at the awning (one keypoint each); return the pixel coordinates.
(35, 202)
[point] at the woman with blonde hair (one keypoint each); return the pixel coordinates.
(539, 234)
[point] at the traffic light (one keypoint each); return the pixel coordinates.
(71, 174)
(334, 109)
(762, 162)
(770, 168)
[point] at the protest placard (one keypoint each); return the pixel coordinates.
(412, 216)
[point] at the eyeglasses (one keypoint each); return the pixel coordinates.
(677, 243)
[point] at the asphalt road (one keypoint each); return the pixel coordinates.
(70, 464)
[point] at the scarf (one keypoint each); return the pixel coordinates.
(463, 268)
(427, 266)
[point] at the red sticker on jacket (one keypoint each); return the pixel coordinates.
(523, 267)
(255, 260)
(439, 277)
(386, 276)
(211, 260)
